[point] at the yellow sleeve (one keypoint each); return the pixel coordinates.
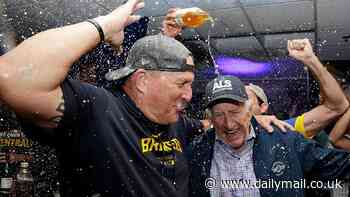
(299, 127)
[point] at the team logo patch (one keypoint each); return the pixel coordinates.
(278, 168)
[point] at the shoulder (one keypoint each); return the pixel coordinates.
(277, 133)
(83, 100)
(191, 123)
(82, 88)
(83, 93)
(288, 137)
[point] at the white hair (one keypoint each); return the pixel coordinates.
(247, 106)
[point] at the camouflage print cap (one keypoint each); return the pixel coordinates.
(259, 92)
(157, 52)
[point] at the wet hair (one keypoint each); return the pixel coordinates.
(247, 106)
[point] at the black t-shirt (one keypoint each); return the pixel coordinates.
(109, 148)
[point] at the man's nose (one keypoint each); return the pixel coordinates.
(229, 123)
(187, 94)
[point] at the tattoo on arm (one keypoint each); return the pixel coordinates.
(60, 108)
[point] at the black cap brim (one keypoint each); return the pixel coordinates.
(225, 98)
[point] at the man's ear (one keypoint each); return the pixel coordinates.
(264, 107)
(140, 79)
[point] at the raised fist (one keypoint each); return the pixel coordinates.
(300, 49)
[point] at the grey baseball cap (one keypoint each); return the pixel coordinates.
(157, 52)
(224, 88)
(259, 92)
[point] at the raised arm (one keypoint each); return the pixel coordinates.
(335, 102)
(31, 74)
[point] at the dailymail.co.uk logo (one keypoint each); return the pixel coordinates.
(222, 85)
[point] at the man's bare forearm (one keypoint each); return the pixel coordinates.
(341, 127)
(334, 97)
(343, 143)
(335, 102)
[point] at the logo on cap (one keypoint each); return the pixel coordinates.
(222, 85)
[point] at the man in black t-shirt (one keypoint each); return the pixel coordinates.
(129, 143)
(132, 143)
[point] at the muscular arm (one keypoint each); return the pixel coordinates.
(341, 127)
(31, 74)
(335, 102)
(343, 143)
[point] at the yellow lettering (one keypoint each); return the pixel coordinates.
(167, 146)
(161, 147)
(154, 145)
(30, 143)
(177, 145)
(145, 144)
(12, 142)
(18, 143)
(151, 144)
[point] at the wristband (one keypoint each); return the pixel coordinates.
(98, 27)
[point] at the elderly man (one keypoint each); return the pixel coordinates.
(333, 106)
(237, 149)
